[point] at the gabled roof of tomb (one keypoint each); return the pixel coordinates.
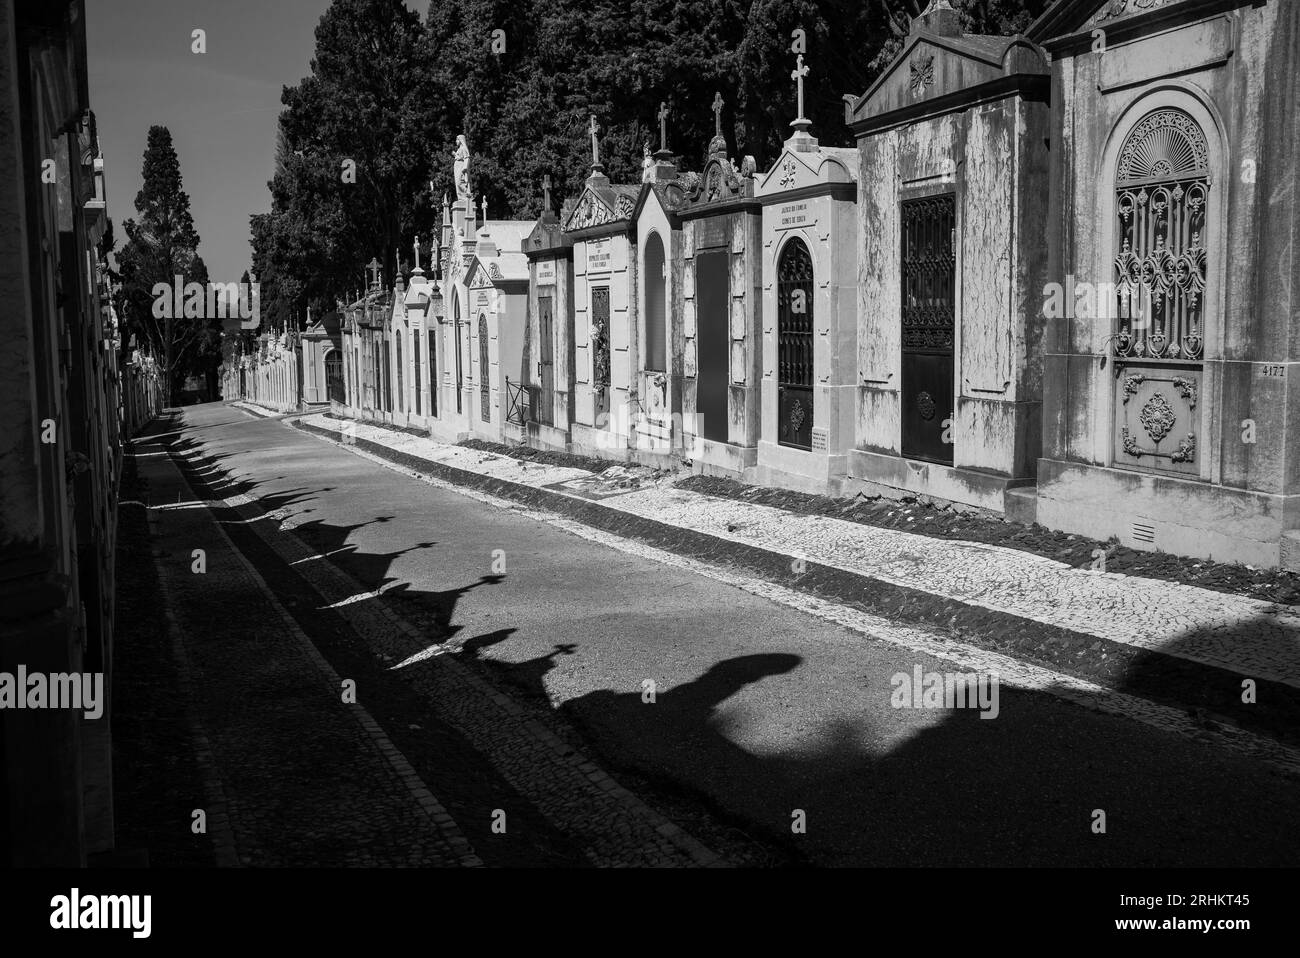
(671, 196)
(933, 71)
(546, 234)
(602, 204)
(497, 270)
(798, 169)
(327, 325)
(1069, 17)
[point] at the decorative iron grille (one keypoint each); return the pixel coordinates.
(519, 403)
(1162, 187)
(929, 268)
(794, 346)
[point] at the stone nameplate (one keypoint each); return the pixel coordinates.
(598, 256)
(818, 440)
(546, 271)
(482, 299)
(794, 215)
(715, 231)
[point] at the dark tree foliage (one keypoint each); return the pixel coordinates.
(393, 94)
(162, 247)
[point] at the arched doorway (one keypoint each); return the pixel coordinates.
(656, 283)
(794, 346)
(334, 376)
(1162, 248)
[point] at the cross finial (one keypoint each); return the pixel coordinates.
(800, 71)
(546, 193)
(593, 129)
(663, 128)
(417, 250)
(483, 205)
(717, 114)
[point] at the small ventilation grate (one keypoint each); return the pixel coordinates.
(1144, 531)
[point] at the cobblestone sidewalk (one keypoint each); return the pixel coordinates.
(292, 775)
(1242, 635)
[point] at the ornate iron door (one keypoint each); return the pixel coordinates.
(484, 371)
(1162, 195)
(334, 375)
(600, 347)
(794, 346)
(929, 271)
(545, 406)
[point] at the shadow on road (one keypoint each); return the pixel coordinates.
(946, 788)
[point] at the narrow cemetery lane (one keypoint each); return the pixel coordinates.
(764, 713)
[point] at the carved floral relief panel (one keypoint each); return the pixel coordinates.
(1158, 418)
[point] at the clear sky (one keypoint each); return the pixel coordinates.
(221, 106)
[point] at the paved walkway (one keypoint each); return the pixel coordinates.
(270, 693)
(292, 775)
(1247, 636)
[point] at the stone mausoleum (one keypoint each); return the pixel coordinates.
(952, 209)
(1174, 200)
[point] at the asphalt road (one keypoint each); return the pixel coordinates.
(760, 712)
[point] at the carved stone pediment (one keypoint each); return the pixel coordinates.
(1069, 17)
(591, 211)
(1113, 10)
(719, 181)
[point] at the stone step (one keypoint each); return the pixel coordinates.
(1022, 504)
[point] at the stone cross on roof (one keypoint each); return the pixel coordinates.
(483, 204)
(717, 114)
(417, 250)
(593, 129)
(546, 193)
(663, 129)
(800, 71)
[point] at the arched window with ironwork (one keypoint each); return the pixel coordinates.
(794, 345)
(484, 381)
(1162, 194)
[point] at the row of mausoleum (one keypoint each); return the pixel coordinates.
(1054, 279)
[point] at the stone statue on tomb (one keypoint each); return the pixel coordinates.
(647, 165)
(461, 169)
